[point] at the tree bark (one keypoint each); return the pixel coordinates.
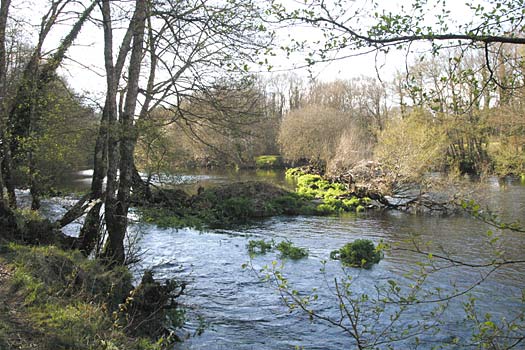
(117, 211)
(89, 233)
(4, 12)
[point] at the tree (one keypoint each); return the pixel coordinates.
(189, 45)
(4, 12)
(311, 133)
(20, 110)
(348, 26)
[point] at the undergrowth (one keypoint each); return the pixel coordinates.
(69, 300)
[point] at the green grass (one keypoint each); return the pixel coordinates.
(67, 299)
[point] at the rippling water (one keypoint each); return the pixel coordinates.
(242, 312)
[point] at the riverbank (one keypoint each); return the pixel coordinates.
(54, 299)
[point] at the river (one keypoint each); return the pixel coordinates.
(240, 311)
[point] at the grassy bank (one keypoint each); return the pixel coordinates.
(52, 299)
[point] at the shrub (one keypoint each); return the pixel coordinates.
(424, 145)
(359, 253)
(311, 133)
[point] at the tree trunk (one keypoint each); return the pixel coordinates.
(5, 160)
(117, 220)
(89, 234)
(4, 12)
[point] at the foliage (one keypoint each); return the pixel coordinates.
(260, 246)
(508, 159)
(311, 133)
(227, 205)
(335, 196)
(62, 139)
(314, 186)
(229, 125)
(289, 250)
(424, 145)
(359, 253)
(293, 173)
(268, 161)
(165, 217)
(286, 248)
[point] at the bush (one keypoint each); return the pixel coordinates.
(359, 253)
(424, 145)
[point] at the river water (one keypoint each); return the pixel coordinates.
(240, 311)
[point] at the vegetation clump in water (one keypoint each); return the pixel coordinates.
(260, 246)
(289, 250)
(286, 248)
(238, 203)
(359, 253)
(227, 205)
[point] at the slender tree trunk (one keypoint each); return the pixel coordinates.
(116, 212)
(89, 234)
(4, 12)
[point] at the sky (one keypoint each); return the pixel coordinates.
(84, 67)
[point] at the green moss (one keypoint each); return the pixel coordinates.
(359, 253)
(268, 162)
(293, 173)
(335, 197)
